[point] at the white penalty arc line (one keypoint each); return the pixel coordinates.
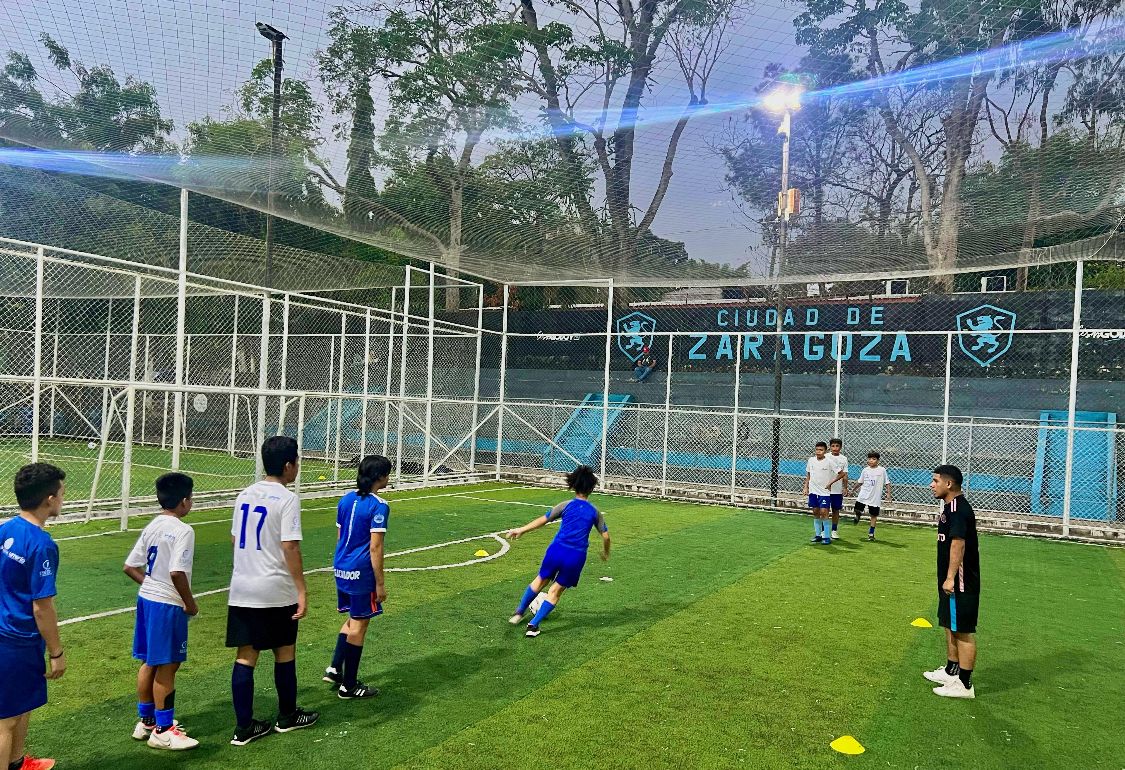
(505, 547)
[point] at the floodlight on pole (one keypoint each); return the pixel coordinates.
(276, 38)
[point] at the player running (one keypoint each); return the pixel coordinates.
(566, 555)
(869, 491)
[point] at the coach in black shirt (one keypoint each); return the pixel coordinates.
(958, 575)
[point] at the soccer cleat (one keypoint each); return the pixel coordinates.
(31, 763)
(172, 739)
(816, 539)
(835, 535)
(871, 538)
(332, 676)
(955, 689)
(297, 720)
(142, 731)
(939, 676)
(359, 691)
(257, 729)
(515, 619)
(532, 630)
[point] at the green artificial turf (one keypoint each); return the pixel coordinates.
(723, 640)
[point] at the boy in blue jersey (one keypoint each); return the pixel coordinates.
(566, 556)
(161, 564)
(361, 520)
(29, 628)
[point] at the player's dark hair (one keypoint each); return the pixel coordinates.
(36, 482)
(836, 441)
(582, 480)
(277, 452)
(172, 489)
(820, 444)
(371, 469)
(876, 455)
(951, 472)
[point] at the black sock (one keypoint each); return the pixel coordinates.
(338, 655)
(966, 675)
(285, 680)
(149, 721)
(16, 765)
(351, 664)
(242, 694)
(951, 667)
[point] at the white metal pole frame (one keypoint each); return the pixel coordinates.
(300, 438)
(839, 340)
(667, 417)
(105, 356)
(55, 367)
(263, 382)
(147, 399)
(232, 402)
(503, 379)
(476, 379)
(366, 383)
(390, 371)
(734, 436)
(340, 398)
(945, 399)
(130, 408)
(429, 380)
(402, 371)
(284, 378)
(37, 361)
(605, 382)
(181, 313)
(1072, 402)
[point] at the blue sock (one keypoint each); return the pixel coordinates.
(351, 664)
(871, 530)
(529, 595)
(147, 712)
(285, 680)
(338, 655)
(544, 611)
(816, 527)
(242, 694)
(164, 718)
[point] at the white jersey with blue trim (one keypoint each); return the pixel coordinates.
(266, 514)
(165, 546)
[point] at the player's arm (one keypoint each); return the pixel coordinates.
(956, 557)
(808, 479)
(135, 562)
(376, 550)
(291, 549)
(183, 588)
(887, 486)
(603, 529)
(47, 621)
(552, 514)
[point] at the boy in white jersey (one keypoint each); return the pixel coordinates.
(819, 473)
(869, 491)
(839, 487)
(267, 592)
(161, 563)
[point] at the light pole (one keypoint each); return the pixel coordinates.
(276, 38)
(786, 100)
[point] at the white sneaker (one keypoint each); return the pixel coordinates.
(515, 620)
(938, 676)
(835, 535)
(955, 689)
(172, 739)
(142, 731)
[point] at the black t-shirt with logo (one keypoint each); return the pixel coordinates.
(957, 520)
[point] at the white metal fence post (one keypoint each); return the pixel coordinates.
(667, 417)
(838, 339)
(402, 369)
(427, 441)
(232, 400)
(1072, 401)
(945, 399)
(37, 363)
(390, 372)
(283, 379)
(366, 383)
(181, 333)
(130, 408)
(476, 379)
(503, 380)
(340, 397)
(734, 436)
(263, 383)
(605, 382)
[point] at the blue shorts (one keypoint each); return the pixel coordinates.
(837, 501)
(358, 606)
(160, 634)
(820, 501)
(562, 565)
(23, 672)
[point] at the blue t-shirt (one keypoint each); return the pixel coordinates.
(577, 519)
(29, 562)
(356, 518)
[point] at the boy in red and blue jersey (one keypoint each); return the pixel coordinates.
(566, 556)
(361, 520)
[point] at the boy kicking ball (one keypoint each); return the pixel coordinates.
(566, 555)
(869, 491)
(161, 563)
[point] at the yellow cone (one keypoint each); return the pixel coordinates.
(481, 552)
(921, 623)
(320, 478)
(846, 744)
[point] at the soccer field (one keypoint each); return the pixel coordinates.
(723, 640)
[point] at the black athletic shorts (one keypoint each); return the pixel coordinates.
(958, 611)
(263, 628)
(872, 510)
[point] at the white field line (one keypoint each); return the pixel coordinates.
(315, 509)
(505, 546)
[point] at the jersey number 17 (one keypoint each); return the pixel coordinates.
(259, 510)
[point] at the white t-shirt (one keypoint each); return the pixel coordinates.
(165, 546)
(872, 481)
(821, 472)
(839, 463)
(266, 514)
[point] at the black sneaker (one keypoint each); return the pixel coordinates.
(243, 735)
(359, 691)
(332, 676)
(532, 630)
(295, 721)
(871, 538)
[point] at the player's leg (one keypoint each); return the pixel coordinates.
(351, 687)
(168, 735)
(837, 506)
(283, 633)
(546, 574)
(966, 657)
(815, 511)
(554, 596)
(332, 674)
(874, 520)
(146, 706)
(11, 750)
(825, 514)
